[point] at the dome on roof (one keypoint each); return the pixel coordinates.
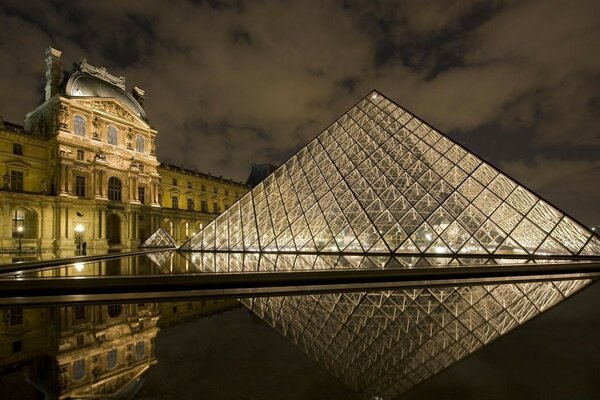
(84, 85)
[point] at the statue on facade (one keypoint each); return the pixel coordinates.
(6, 181)
(100, 155)
(129, 139)
(63, 116)
(96, 124)
(152, 148)
(44, 186)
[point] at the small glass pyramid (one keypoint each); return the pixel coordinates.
(159, 239)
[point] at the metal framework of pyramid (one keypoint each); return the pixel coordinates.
(159, 239)
(381, 184)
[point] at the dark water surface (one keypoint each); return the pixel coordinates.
(220, 350)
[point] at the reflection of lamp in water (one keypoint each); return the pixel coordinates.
(20, 232)
(78, 267)
(79, 230)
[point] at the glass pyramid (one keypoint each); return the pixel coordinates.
(159, 239)
(380, 180)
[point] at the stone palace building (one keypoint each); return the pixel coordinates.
(83, 172)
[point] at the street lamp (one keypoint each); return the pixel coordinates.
(20, 232)
(79, 230)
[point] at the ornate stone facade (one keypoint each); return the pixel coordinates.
(86, 158)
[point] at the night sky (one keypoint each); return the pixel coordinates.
(231, 84)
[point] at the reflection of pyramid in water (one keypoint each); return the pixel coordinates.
(379, 180)
(159, 239)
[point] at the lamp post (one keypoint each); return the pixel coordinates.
(20, 232)
(78, 231)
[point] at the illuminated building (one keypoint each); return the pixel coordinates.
(87, 157)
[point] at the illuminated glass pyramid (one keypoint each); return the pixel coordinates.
(159, 239)
(380, 180)
(379, 188)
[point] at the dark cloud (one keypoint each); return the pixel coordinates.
(523, 74)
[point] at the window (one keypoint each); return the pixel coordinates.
(203, 187)
(139, 350)
(190, 204)
(78, 369)
(79, 125)
(80, 186)
(114, 310)
(226, 192)
(80, 340)
(114, 189)
(111, 135)
(80, 155)
(216, 190)
(216, 208)
(17, 346)
(203, 206)
(111, 359)
(78, 313)
(174, 181)
(189, 184)
(15, 316)
(175, 202)
(141, 168)
(142, 194)
(16, 180)
(17, 149)
(18, 223)
(186, 229)
(160, 198)
(139, 144)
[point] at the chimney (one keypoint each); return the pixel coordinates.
(53, 72)
(138, 94)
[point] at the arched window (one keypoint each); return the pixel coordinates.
(111, 135)
(23, 224)
(79, 125)
(114, 310)
(139, 144)
(114, 189)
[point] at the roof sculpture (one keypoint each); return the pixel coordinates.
(380, 188)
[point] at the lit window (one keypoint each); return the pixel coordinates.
(80, 155)
(114, 310)
(175, 202)
(17, 149)
(186, 228)
(190, 204)
(139, 144)
(142, 194)
(80, 186)
(111, 359)
(79, 125)
(114, 189)
(16, 180)
(18, 223)
(112, 135)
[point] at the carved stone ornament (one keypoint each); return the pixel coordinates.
(100, 72)
(100, 155)
(63, 116)
(114, 159)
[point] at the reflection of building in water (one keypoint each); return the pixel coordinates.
(87, 157)
(81, 351)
